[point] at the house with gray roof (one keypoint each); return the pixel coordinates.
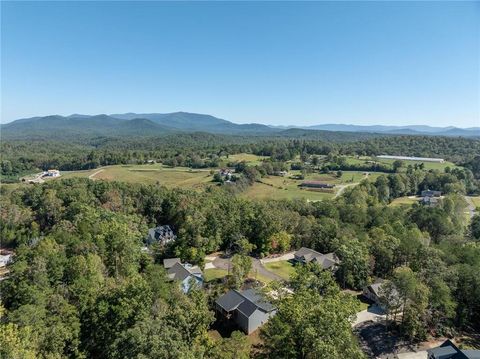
(161, 234)
(448, 350)
(248, 308)
(429, 201)
(374, 292)
(326, 261)
(431, 193)
(187, 275)
(170, 262)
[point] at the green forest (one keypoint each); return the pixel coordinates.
(80, 285)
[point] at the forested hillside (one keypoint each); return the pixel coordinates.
(81, 287)
(203, 150)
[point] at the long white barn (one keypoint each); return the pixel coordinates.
(406, 158)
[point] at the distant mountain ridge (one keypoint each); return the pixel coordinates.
(403, 130)
(153, 124)
(156, 124)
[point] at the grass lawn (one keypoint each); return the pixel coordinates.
(149, 174)
(255, 275)
(428, 165)
(249, 158)
(404, 201)
(278, 187)
(363, 306)
(476, 201)
(282, 268)
(214, 273)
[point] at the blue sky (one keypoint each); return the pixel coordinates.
(394, 63)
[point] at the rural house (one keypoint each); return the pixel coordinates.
(373, 292)
(429, 201)
(448, 350)
(161, 234)
(5, 257)
(247, 308)
(326, 261)
(430, 193)
(51, 173)
(187, 275)
(430, 198)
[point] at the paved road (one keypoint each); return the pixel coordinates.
(372, 313)
(283, 257)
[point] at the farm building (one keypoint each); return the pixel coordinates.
(406, 158)
(51, 173)
(316, 184)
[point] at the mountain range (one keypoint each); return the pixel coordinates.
(155, 124)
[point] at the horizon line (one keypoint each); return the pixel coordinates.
(247, 123)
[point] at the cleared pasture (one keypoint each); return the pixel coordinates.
(277, 187)
(149, 174)
(427, 165)
(249, 158)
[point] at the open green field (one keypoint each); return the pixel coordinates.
(428, 165)
(277, 187)
(249, 158)
(167, 176)
(282, 268)
(404, 201)
(149, 174)
(214, 273)
(476, 201)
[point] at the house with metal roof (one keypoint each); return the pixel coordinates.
(316, 184)
(187, 275)
(248, 308)
(326, 261)
(448, 350)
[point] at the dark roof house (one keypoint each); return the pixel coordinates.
(373, 291)
(161, 234)
(184, 273)
(326, 261)
(248, 308)
(430, 193)
(448, 350)
(170, 262)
